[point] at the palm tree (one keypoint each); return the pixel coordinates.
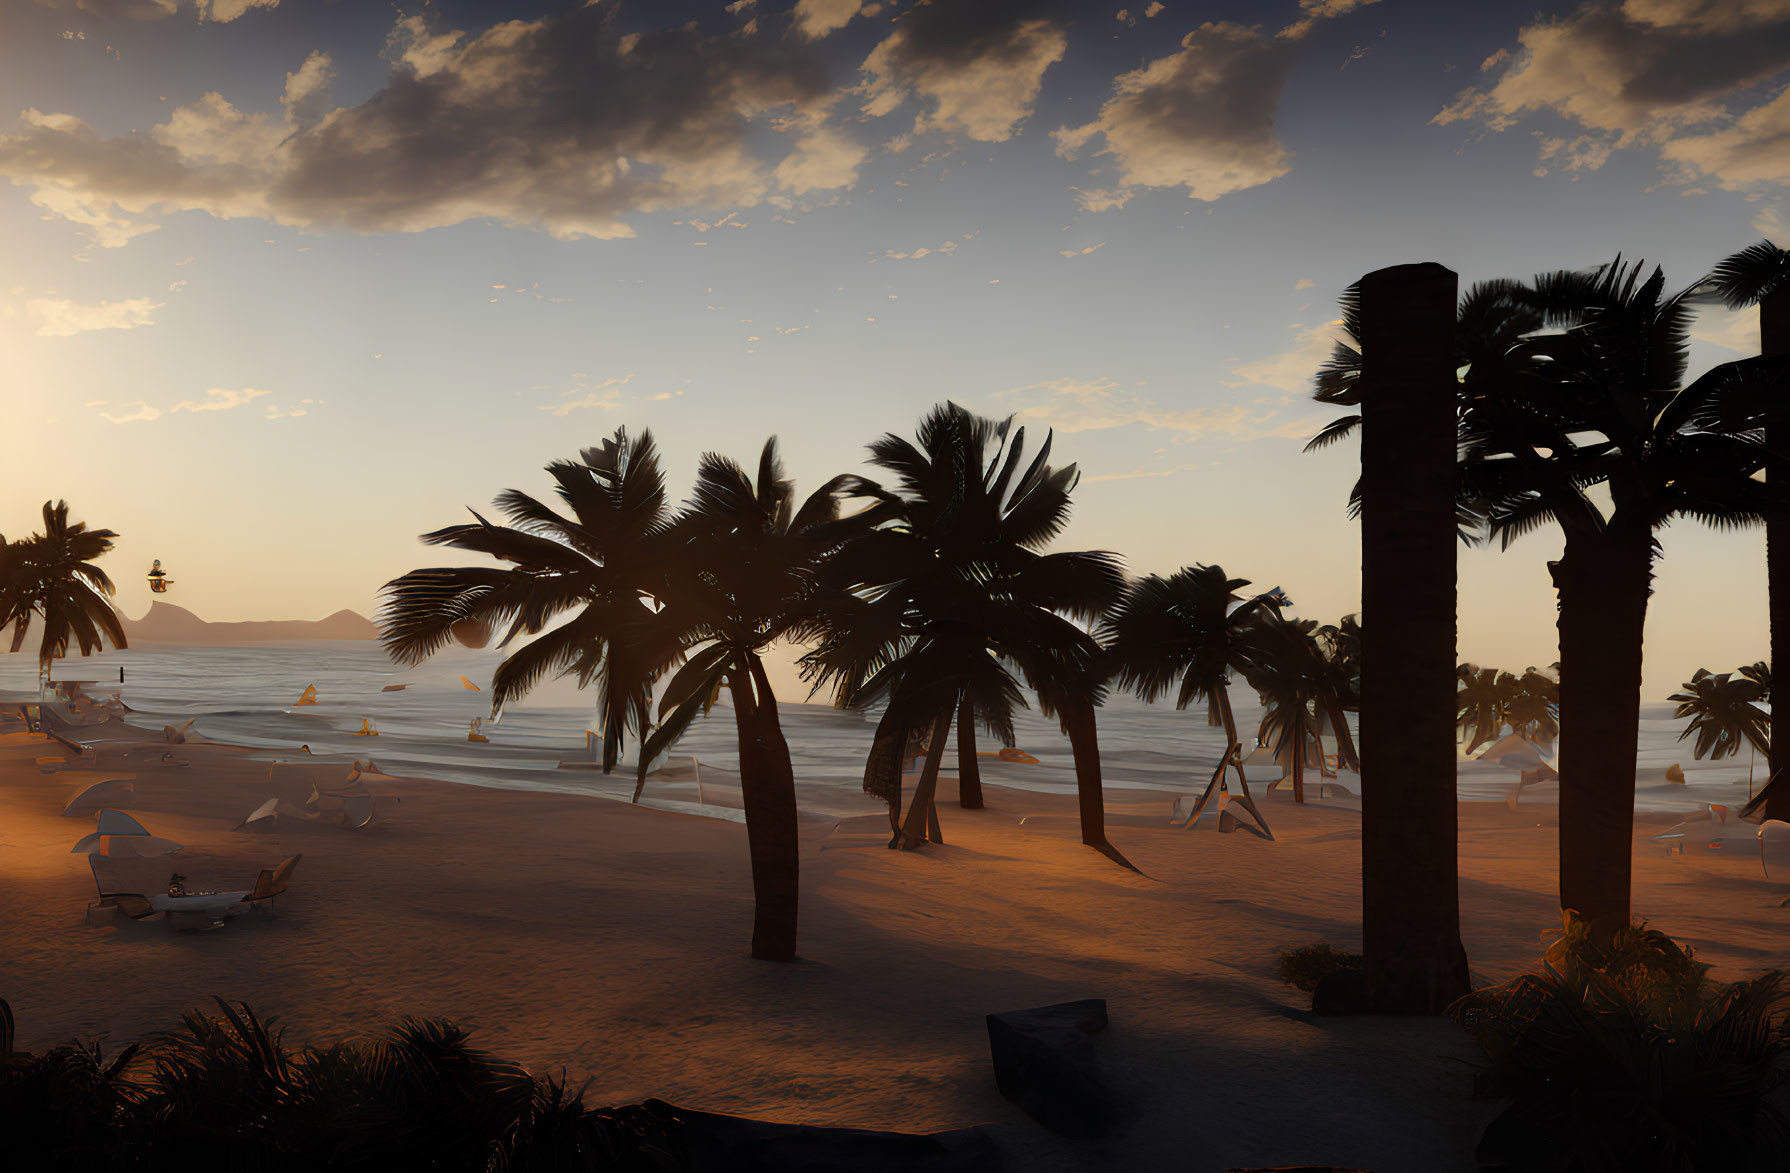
(742, 567)
(1286, 667)
(1483, 700)
(51, 576)
(1410, 918)
(603, 566)
(1339, 644)
(956, 598)
(1534, 709)
(1760, 275)
(1602, 404)
(1190, 632)
(1724, 711)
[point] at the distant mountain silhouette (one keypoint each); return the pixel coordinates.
(166, 623)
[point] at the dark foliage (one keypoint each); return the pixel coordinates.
(224, 1092)
(1308, 965)
(1620, 1054)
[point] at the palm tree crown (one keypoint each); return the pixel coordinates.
(52, 576)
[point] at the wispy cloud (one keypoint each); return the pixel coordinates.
(606, 395)
(143, 412)
(59, 317)
(222, 399)
(1291, 370)
(1084, 405)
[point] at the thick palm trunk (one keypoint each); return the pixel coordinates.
(921, 817)
(1602, 581)
(1410, 900)
(1774, 339)
(768, 792)
(1084, 744)
(969, 773)
(1297, 766)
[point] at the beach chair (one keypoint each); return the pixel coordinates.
(132, 904)
(271, 882)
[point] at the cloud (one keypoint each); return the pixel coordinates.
(221, 11)
(945, 249)
(606, 395)
(143, 412)
(1291, 370)
(61, 318)
(1649, 73)
(222, 399)
(1202, 119)
(817, 18)
(1082, 252)
(274, 413)
(1155, 7)
(1085, 405)
(1303, 283)
(823, 159)
(1315, 10)
(977, 66)
(1102, 199)
(1730, 329)
(558, 123)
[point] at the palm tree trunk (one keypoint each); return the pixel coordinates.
(920, 814)
(1084, 744)
(969, 773)
(1233, 749)
(1774, 339)
(768, 792)
(1602, 581)
(1347, 757)
(1297, 765)
(1410, 899)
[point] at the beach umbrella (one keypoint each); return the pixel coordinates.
(99, 794)
(118, 836)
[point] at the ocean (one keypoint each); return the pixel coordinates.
(245, 696)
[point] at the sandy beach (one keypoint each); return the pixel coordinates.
(611, 941)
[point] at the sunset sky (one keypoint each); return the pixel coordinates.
(285, 283)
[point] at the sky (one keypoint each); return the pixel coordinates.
(286, 283)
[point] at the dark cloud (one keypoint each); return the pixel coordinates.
(561, 123)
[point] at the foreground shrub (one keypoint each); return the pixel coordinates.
(1622, 1055)
(1308, 965)
(224, 1092)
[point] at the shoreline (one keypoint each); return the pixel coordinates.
(611, 940)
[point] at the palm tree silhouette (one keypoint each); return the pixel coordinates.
(1602, 404)
(51, 576)
(1724, 712)
(959, 601)
(1483, 702)
(1760, 275)
(602, 564)
(1190, 632)
(1285, 665)
(741, 566)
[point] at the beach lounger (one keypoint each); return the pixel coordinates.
(110, 904)
(271, 882)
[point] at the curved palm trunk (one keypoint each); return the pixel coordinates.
(921, 816)
(1774, 339)
(768, 792)
(1084, 744)
(969, 773)
(1410, 897)
(1602, 581)
(1297, 766)
(1347, 756)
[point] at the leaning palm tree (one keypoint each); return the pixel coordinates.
(51, 576)
(1724, 712)
(742, 564)
(956, 564)
(1601, 404)
(1286, 667)
(1760, 275)
(602, 566)
(1190, 632)
(1482, 702)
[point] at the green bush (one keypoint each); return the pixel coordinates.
(1306, 966)
(1620, 1054)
